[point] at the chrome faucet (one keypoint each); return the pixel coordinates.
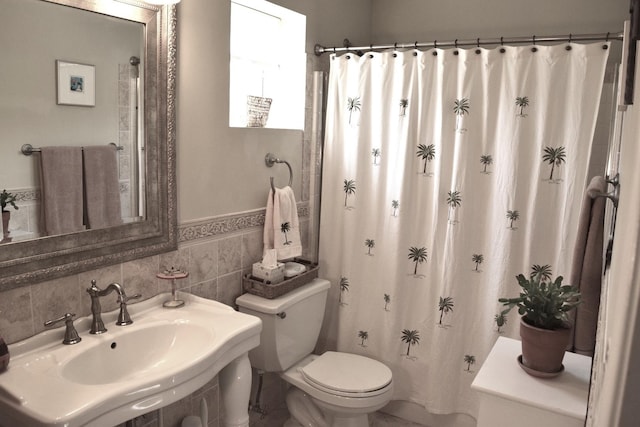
(97, 325)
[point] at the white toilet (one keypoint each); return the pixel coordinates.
(329, 390)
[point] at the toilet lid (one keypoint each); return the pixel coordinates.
(347, 373)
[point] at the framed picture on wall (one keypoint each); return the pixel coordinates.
(76, 84)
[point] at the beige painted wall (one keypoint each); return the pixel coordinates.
(330, 21)
(425, 20)
(220, 169)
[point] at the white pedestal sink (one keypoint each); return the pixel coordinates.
(106, 379)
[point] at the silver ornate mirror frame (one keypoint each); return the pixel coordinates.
(48, 258)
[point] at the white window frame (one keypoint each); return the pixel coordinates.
(277, 55)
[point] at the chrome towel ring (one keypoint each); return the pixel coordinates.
(270, 159)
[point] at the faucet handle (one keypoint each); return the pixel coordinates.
(123, 316)
(124, 299)
(70, 334)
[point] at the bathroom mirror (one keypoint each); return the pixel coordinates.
(46, 258)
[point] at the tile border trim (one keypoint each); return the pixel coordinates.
(224, 224)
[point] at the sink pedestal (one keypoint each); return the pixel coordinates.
(235, 388)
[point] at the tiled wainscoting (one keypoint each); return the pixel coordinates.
(215, 252)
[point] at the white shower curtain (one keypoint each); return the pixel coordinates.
(446, 173)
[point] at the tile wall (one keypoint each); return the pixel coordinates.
(215, 264)
(216, 252)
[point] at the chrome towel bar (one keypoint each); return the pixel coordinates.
(28, 149)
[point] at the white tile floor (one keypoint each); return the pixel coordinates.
(278, 417)
(380, 419)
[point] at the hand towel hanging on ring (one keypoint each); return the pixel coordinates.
(281, 226)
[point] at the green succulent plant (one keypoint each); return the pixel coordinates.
(6, 199)
(543, 303)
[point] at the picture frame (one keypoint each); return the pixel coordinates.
(76, 84)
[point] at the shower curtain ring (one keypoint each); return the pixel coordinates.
(415, 45)
(501, 41)
(435, 44)
(607, 39)
(395, 46)
(570, 37)
(478, 42)
(456, 43)
(534, 39)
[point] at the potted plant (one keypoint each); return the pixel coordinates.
(6, 199)
(544, 326)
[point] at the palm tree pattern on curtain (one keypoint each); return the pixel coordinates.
(453, 200)
(477, 259)
(486, 160)
(543, 272)
(370, 244)
(417, 256)
(512, 216)
(353, 104)
(375, 153)
(404, 103)
(349, 189)
(444, 306)
(344, 287)
(395, 204)
(426, 153)
(460, 108)
(522, 102)
(555, 157)
(431, 257)
(387, 301)
(363, 335)
(469, 359)
(410, 337)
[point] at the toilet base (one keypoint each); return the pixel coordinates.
(305, 412)
(293, 423)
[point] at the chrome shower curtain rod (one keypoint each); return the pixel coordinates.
(618, 36)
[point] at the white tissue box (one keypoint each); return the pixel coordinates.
(273, 275)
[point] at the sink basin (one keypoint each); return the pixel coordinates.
(138, 353)
(106, 379)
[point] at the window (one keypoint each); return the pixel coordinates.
(267, 66)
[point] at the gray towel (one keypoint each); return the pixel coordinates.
(586, 270)
(61, 189)
(102, 189)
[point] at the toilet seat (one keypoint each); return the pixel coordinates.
(348, 375)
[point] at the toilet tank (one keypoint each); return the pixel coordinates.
(290, 325)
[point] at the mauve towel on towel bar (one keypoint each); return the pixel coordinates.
(102, 189)
(61, 189)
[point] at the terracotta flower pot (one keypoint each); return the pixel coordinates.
(543, 349)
